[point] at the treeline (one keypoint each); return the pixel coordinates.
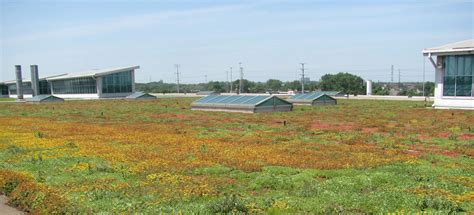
(344, 82)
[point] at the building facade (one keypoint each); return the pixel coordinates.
(454, 79)
(103, 83)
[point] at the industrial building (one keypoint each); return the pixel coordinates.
(242, 103)
(454, 74)
(99, 83)
(314, 99)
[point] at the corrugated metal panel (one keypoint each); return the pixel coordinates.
(232, 99)
(138, 95)
(307, 96)
(45, 98)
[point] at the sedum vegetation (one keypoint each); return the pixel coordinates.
(160, 157)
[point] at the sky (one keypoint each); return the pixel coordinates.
(269, 37)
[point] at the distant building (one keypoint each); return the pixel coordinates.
(454, 84)
(101, 83)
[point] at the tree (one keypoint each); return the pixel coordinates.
(380, 89)
(274, 84)
(216, 86)
(343, 82)
(246, 85)
(429, 88)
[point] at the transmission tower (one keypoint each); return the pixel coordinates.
(302, 77)
(177, 76)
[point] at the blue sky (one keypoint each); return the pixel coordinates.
(270, 38)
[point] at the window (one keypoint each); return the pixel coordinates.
(117, 83)
(12, 89)
(26, 88)
(3, 89)
(459, 75)
(75, 86)
(44, 88)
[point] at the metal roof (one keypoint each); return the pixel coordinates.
(330, 93)
(206, 93)
(93, 73)
(139, 94)
(40, 98)
(461, 47)
(28, 80)
(307, 96)
(233, 100)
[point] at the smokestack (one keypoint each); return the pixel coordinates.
(19, 82)
(369, 87)
(34, 79)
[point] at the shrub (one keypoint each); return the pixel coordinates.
(39, 134)
(12, 149)
(230, 203)
(438, 203)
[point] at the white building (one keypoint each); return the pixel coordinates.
(454, 80)
(100, 83)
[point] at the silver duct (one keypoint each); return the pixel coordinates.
(19, 82)
(34, 79)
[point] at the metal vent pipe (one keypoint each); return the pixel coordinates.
(369, 88)
(34, 79)
(19, 82)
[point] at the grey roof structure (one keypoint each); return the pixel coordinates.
(207, 93)
(242, 103)
(332, 93)
(44, 98)
(315, 98)
(461, 47)
(92, 73)
(141, 96)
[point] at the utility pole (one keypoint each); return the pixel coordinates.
(241, 77)
(399, 83)
(177, 76)
(231, 80)
(302, 77)
(205, 78)
(227, 79)
(392, 74)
